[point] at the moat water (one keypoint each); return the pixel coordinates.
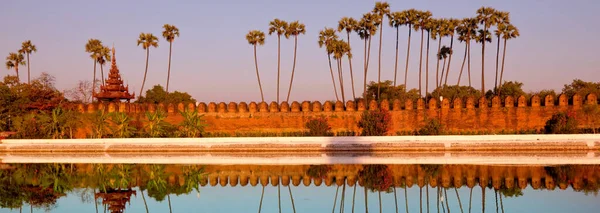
(84, 187)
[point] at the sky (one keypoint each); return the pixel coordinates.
(214, 63)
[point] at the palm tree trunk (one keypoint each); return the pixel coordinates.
(470, 199)
(279, 196)
(449, 59)
(396, 63)
(380, 208)
(102, 73)
(17, 71)
(94, 82)
(437, 69)
(503, 58)
(396, 199)
(462, 67)
(367, 67)
(407, 56)
(483, 62)
(335, 199)
(343, 198)
(469, 60)
(341, 78)
(379, 66)
(497, 61)
(293, 68)
(421, 61)
(261, 199)
(292, 198)
(496, 195)
(446, 201)
(29, 71)
(501, 203)
(443, 69)
(405, 197)
(438, 198)
(483, 199)
(366, 201)
(353, 197)
(351, 72)
(278, 63)
(365, 71)
(262, 97)
(169, 199)
(332, 78)
(95, 201)
(146, 72)
(420, 200)
(144, 198)
(459, 203)
(31, 208)
(169, 69)
(427, 194)
(427, 66)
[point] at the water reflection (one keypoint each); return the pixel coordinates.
(344, 188)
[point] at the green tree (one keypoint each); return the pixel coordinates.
(349, 25)
(485, 16)
(390, 92)
(278, 27)
(454, 92)
(294, 29)
(13, 60)
(396, 20)
(510, 88)
(502, 20)
(28, 48)
(158, 95)
(582, 88)
(412, 17)
(254, 38)
(508, 32)
(147, 40)
(169, 33)
(92, 47)
(381, 10)
(467, 30)
(326, 36)
(192, 125)
(423, 19)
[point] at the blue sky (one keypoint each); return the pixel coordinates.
(213, 62)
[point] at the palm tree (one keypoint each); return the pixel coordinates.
(292, 198)
(27, 48)
(92, 47)
(508, 32)
(294, 29)
(485, 16)
(349, 25)
(450, 30)
(429, 27)
(256, 37)
(467, 29)
(366, 29)
(411, 16)
(340, 48)
(381, 10)
(396, 19)
(147, 40)
(13, 60)
(169, 33)
(262, 195)
(279, 27)
(483, 36)
(326, 36)
(103, 56)
(436, 33)
(423, 18)
(443, 54)
(502, 19)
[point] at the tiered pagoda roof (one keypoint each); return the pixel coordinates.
(116, 199)
(113, 89)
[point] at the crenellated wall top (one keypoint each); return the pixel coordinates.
(350, 106)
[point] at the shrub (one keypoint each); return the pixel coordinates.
(318, 171)
(192, 125)
(561, 123)
(432, 127)
(375, 123)
(376, 177)
(318, 127)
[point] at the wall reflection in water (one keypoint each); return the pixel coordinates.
(343, 188)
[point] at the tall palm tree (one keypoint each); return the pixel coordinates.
(412, 16)
(366, 29)
(262, 195)
(326, 36)
(450, 30)
(13, 60)
(508, 32)
(256, 37)
(443, 54)
(396, 20)
(292, 198)
(436, 34)
(429, 27)
(169, 33)
(423, 19)
(502, 19)
(147, 40)
(27, 48)
(103, 56)
(483, 36)
(294, 29)
(381, 10)
(93, 46)
(467, 30)
(349, 25)
(485, 16)
(340, 48)
(278, 27)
